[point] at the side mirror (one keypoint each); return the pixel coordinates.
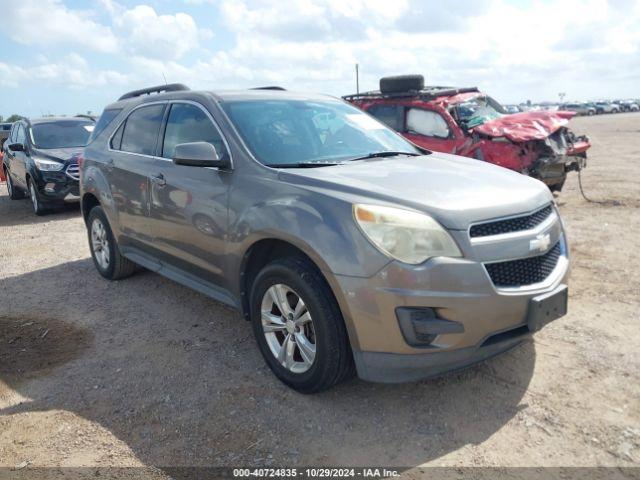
(16, 147)
(198, 154)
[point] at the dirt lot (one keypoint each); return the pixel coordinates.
(146, 372)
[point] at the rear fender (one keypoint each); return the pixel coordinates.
(95, 183)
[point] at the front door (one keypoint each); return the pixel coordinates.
(189, 204)
(18, 163)
(428, 129)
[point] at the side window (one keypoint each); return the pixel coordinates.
(21, 136)
(427, 123)
(390, 115)
(141, 130)
(188, 123)
(13, 134)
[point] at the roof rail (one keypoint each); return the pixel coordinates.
(272, 87)
(427, 93)
(172, 87)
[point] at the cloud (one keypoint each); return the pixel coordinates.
(48, 23)
(145, 33)
(513, 51)
(72, 71)
(588, 48)
(136, 31)
(307, 20)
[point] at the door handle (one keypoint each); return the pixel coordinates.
(158, 180)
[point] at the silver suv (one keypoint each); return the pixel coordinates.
(344, 245)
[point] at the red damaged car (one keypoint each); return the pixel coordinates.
(465, 121)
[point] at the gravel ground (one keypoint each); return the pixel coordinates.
(144, 372)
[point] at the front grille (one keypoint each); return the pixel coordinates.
(526, 271)
(73, 171)
(517, 224)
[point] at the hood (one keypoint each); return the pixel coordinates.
(525, 126)
(456, 191)
(59, 154)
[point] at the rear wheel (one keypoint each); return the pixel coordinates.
(109, 262)
(299, 327)
(14, 194)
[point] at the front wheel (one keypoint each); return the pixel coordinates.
(108, 260)
(36, 202)
(299, 327)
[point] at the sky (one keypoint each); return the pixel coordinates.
(72, 56)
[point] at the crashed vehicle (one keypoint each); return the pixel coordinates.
(465, 121)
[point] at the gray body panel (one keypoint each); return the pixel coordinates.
(198, 227)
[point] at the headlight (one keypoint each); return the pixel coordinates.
(48, 165)
(408, 236)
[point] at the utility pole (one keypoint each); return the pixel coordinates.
(357, 80)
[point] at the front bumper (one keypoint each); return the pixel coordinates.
(57, 187)
(396, 368)
(457, 290)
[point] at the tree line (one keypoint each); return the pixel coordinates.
(13, 118)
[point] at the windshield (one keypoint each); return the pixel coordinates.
(61, 134)
(294, 132)
(477, 111)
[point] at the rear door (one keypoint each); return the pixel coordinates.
(189, 204)
(131, 160)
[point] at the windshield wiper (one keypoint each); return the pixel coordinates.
(385, 154)
(302, 165)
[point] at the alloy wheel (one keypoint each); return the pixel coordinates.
(100, 244)
(288, 328)
(34, 197)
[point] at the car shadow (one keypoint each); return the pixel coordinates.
(178, 378)
(20, 212)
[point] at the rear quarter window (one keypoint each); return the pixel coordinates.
(104, 121)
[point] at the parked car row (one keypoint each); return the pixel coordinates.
(581, 108)
(344, 238)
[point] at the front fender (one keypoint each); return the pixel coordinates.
(321, 226)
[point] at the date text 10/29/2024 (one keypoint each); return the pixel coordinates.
(333, 473)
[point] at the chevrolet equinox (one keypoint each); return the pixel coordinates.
(344, 245)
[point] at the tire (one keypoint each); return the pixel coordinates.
(401, 83)
(14, 193)
(39, 208)
(557, 187)
(324, 328)
(615, 110)
(590, 113)
(104, 249)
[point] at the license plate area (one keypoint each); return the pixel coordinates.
(546, 308)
